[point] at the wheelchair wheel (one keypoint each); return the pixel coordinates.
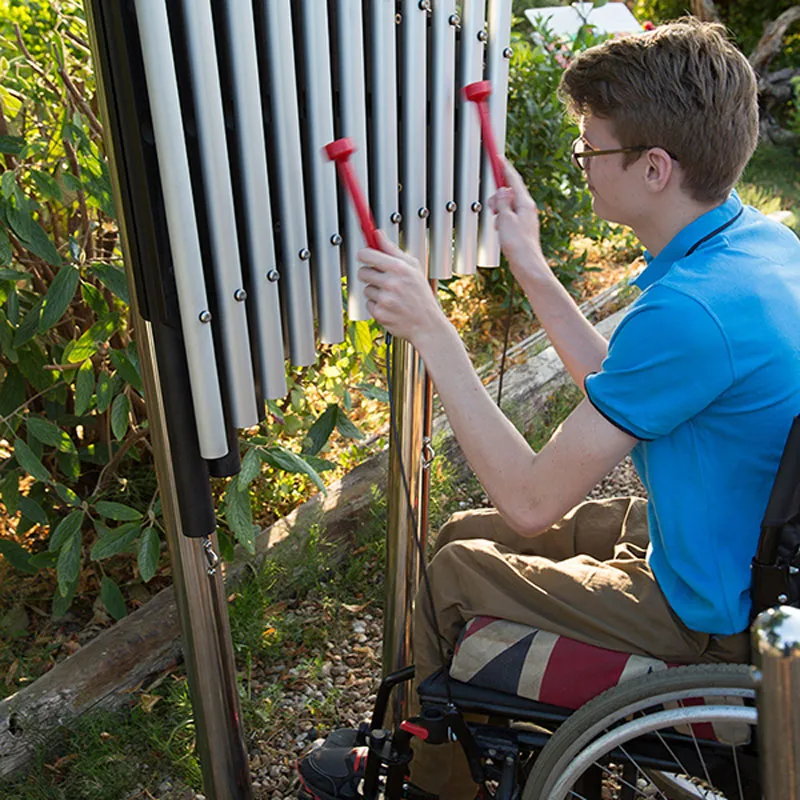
(633, 741)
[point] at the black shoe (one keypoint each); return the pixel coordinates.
(334, 770)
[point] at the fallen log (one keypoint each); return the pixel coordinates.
(105, 671)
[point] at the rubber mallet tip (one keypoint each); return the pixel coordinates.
(341, 148)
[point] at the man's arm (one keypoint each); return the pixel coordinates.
(531, 491)
(578, 344)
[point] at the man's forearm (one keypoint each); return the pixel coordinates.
(497, 452)
(578, 344)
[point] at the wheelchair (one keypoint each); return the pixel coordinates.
(545, 717)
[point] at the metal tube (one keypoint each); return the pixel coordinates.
(413, 142)
(295, 272)
(776, 652)
(383, 147)
(260, 242)
(468, 154)
(231, 296)
(353, 116)
(321, 174)
(497, 58)
(443, 88)
(151, 16)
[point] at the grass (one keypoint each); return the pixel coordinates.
(771, 181)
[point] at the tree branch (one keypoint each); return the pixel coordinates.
(771, 42)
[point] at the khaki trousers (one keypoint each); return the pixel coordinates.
(586, 578)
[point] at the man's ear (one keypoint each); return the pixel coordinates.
(658, 169)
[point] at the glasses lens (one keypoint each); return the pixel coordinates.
(576, 159)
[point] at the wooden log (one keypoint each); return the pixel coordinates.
(771, 42)
(105, 671)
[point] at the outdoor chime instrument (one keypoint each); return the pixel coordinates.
(234, 227)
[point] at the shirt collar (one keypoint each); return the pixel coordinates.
(658, 266)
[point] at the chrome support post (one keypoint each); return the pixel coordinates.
(776, 652)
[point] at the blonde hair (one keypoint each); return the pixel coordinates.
(682, 86)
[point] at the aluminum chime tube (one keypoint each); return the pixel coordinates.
(776, 653)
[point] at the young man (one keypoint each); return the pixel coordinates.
(699, 383)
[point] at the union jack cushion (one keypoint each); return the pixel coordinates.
(538, 665)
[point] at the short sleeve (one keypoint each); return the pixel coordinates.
(667, 361)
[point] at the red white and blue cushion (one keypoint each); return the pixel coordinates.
(542, 666)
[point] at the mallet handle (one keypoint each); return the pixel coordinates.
(477, 93)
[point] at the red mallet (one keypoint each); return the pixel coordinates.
(340, 152)
(478, 93)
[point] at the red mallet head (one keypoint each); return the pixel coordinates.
(340, 152)
(478, 92)
(340, 149)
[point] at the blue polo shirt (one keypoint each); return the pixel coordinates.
(705, 371)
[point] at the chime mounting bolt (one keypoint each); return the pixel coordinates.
(240, 295)
(424, 5)
(273, 275)
(336, 239)
(396, 218)
(476, 207)
(454, 20)
(782, 598)
(508, 52)
(451, 206)
(483, 36)
(204, 317)
(304, 254)
(423, 213)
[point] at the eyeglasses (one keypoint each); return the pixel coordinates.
(578, 156)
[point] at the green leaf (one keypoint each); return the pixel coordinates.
(6, 253)
(67, 495)
(239, 516)
(71, 523)
(114, 279)
(346, 428)
(29, 325)
(288, 461)
(373, 392)
(68, 565)
(117, 511)
(251, 468)
(32, 235)
(12, 392)
(319, 464)
(226, 546)
(17, 556)
(93, 298)
(11, 145)
(48, 433)
(120, 410)
(32, 362)
(62, 604)
(44, 560)
(59, 296)
(46, 185)
(8, 184)
(320, 431)
(33, 511)
(84, 388)
(149, 552)
(116, 541)
(105, 391)
(127, 369)
(112, 598)
(361, 335)
(13, 274)
(9, 491)
(99, 333)
(27, 459)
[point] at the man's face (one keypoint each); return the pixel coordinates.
(616, 191)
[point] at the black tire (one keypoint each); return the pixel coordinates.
(621, 702)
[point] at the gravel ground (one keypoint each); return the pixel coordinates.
(343, 680)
